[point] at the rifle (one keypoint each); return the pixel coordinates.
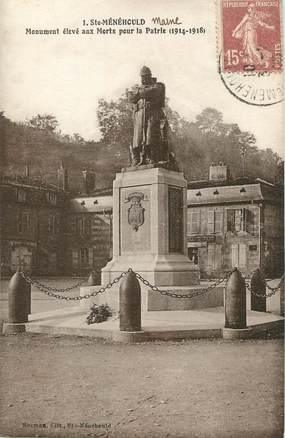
(142, 154)
(143, 151)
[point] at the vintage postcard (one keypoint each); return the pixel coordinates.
(141, 218)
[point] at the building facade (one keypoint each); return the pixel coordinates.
(89, 234)
(235, 224)
(48, 231)
(33, 216)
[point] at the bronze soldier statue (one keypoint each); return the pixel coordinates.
(150, 124)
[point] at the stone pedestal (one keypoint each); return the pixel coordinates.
(149, 227)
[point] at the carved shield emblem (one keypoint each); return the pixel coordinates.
(136, 210)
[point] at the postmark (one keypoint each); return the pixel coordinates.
(249, 50)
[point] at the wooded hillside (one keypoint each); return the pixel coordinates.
(39, 143)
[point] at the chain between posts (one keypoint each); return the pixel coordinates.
(77, 298)
(54, 289)
(263, 295)
(193, 294)
(48, 290)
(272, 292)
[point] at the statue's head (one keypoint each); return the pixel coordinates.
(145, 75)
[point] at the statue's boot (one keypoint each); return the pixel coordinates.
(136, 157)
(152, 154)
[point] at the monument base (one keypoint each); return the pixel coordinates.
(149, 227)
(168, 270)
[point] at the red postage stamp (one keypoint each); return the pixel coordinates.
(251, 36)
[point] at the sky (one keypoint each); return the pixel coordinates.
(65, 75)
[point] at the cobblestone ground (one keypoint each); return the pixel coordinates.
(67, 387)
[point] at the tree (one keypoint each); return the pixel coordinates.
(210, 120)
(45, 122)
(115, 120)
(77, 139)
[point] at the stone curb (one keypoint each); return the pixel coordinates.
(259, 331)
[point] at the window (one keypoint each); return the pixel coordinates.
(219, 216)
(23, 222)
(21, 257)
(239, 255)
(214, 257)
(21, 195)
(52, 224)
(83, 256)
(215, 221)
(194, 224)
(239, 220)
(51, 198)
(242, 219)
(252, 247)
(193, 254)
(84, 225)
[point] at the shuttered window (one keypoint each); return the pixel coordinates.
(241, 219)
(252, 222)
(211, 222)
(231, 220)
(83, 225)
(52, 224)
(23, 222)
(219, 221)
(194, 221)
(239, 255)
(214, 257)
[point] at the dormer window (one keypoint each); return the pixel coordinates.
(21, 195)
(242, 190)
(216, 192)
(199, 193)
(82, 202)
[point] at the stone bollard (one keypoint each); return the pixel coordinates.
(235, 307)
(19, 305)
(130, 303)
(258, 285)
(281, 285)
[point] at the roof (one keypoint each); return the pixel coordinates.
(92, 204)
(257, 192)
(217, 183)
(30, 183)
(97, 192)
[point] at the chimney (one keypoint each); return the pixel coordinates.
(88, 181)
(219, 172)
(62, 177)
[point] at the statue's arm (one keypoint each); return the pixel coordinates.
(134, 96)
(151, 91)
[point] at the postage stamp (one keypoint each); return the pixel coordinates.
(250, 36)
